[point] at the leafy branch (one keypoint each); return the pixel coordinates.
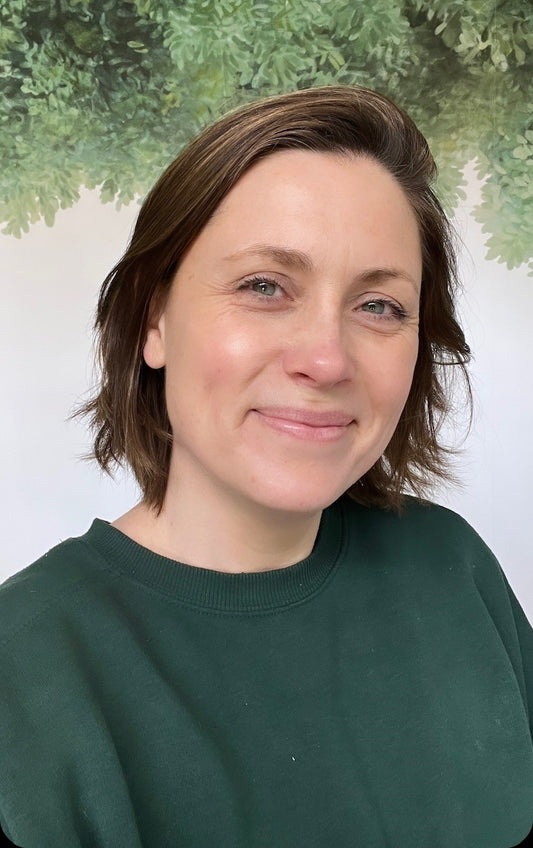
(104, 93)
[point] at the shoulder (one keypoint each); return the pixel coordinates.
(67, 569)
(431, 553)
(424, 535)
(416, 518)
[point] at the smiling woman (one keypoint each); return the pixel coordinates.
(309, 338)
(277, 646)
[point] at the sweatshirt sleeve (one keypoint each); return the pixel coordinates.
(525, 641)
(506, 613)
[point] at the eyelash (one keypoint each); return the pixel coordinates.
(247, 286)
(398, 312)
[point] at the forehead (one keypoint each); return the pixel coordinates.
(318, 203)
(293, 176)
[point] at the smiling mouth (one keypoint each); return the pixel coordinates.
(309, 425)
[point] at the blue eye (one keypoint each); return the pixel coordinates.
(264, 287)
(386, 309)
(376, 307)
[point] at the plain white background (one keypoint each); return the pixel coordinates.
(49, 281)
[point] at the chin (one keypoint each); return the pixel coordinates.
(301, 498)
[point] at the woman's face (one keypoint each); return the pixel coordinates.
(290, 333)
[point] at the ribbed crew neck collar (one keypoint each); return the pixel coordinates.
(217, 590)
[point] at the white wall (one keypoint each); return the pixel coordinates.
(49, 283)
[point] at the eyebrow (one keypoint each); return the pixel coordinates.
(378, 275)
(291, 258)
(283, 255)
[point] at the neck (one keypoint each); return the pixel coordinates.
(221, 533)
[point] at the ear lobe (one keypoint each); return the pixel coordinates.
(154, 347)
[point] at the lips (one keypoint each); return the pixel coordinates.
(309, 417)
(304, 424)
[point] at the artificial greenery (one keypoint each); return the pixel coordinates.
(104, 93)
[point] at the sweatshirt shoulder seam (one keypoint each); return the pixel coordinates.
(104, 566)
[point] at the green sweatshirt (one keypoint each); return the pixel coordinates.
(377, 694)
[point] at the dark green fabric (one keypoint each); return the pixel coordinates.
(377, 694)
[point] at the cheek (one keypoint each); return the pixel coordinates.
(390, 377)
(213, 361)
(235, 351)
(403, 374)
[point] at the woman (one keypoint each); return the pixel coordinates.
(275, 647)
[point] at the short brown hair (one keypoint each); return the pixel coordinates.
(128, 412)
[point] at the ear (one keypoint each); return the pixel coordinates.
(154, 351)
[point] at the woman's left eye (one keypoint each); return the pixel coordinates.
(383, 308)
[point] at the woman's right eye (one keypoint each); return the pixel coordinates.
(263, 286)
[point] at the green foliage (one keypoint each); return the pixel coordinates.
(105, 92)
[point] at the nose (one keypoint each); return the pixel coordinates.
(318, 352)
